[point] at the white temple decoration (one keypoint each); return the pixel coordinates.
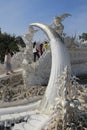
(28, 53)
(77, 51)
(58, 26)
(58, 108)
(63, 112)
(66, 102)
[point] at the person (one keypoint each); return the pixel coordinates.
(7, 62)
(41, 49)
(35, 51)
(46, 45)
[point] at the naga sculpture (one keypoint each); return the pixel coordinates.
(57, 101)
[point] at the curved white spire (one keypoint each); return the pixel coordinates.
(60, 59)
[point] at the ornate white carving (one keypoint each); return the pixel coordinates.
(60, 99)
(58, 26)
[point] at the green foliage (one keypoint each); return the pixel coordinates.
(11, 42)
(83, 37)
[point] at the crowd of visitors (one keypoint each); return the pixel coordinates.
(39, 49)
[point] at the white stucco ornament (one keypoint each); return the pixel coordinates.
(55, 103)
(60, 59)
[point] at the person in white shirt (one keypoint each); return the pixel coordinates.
(7, 62)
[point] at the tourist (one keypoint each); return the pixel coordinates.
(46, 46)
(7, 62)
(35, 51)
(41, 49)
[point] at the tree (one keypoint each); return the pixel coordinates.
(11, 42)
(83, 37)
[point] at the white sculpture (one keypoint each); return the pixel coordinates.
(28, 58)
(56, 101)
(77, 51)
(60, 61)
(58, 26)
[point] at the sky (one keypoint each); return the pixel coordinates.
(17, 15)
